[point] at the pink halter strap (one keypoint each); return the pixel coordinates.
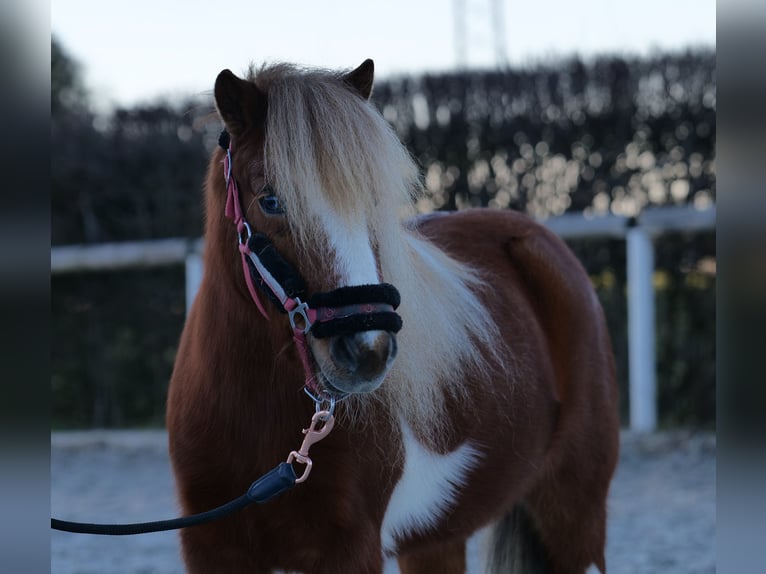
(233, 211)
(293, 306)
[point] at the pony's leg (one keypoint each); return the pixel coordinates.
(218, 559)
(444, 558)
(571, 521)
(560, 528)
(239, 559)
(514, 546)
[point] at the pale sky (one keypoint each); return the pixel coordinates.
(138, 50)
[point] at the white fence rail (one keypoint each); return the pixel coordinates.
(637, 232)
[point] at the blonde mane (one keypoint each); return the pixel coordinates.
(327, 148)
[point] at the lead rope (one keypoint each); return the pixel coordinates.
(278, 480)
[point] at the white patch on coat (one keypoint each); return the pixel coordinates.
(478, 550)
(354, 260)
(427, 489)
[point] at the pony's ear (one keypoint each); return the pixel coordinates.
(240, 103)
(361, 78)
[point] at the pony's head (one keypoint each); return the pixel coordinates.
(319, 175)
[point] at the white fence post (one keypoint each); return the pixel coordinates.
(641, 336)
(193, 265)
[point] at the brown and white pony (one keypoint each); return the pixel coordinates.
(493, 409)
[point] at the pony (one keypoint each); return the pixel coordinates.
(465, 363)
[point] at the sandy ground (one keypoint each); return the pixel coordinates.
(662, 503)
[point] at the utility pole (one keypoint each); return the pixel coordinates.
(460, 21)
(476, 22)
(498, 21)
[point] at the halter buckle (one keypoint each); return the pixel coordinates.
(302, 310)
(249, 233)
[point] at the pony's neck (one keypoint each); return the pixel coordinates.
(446, 330)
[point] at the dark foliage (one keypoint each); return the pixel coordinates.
(114, 342)
(67, 92)
(135, 175)
(612, 135)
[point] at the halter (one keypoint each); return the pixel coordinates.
(343, 311)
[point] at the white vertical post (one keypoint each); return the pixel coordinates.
(460, 27)
(641, 331)
(193, 277)
(497, 19)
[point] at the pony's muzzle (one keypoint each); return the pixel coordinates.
(353, 335)
(361, 360)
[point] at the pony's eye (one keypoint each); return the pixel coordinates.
(270, 203)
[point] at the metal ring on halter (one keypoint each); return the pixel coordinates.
(249, 233)
(323, 401)
(228, 166)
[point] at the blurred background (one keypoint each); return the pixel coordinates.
(600, 111)
(598, 118)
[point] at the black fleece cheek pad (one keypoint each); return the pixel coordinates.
(285, 274)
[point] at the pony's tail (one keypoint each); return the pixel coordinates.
(515, 546)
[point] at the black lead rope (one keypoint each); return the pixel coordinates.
(271, 484)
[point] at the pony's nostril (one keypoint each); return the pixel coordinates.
(364, 355)
(345, 352)
(392, 347)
